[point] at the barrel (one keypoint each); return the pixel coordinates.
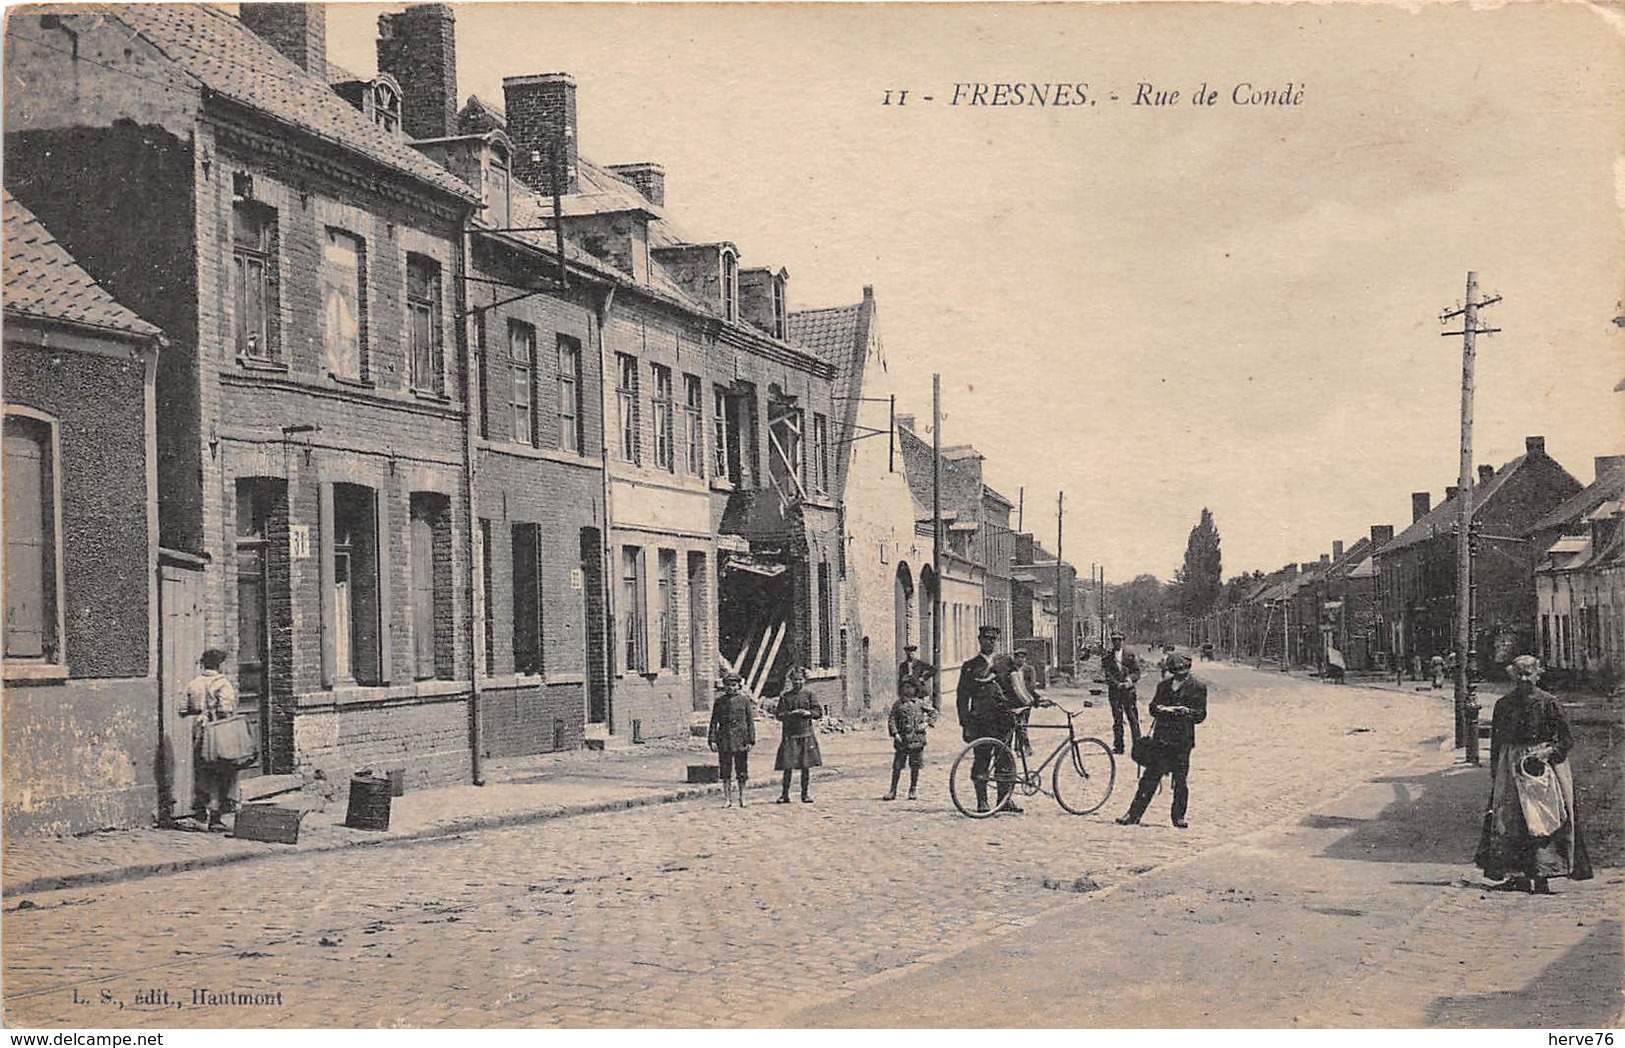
(369, 802)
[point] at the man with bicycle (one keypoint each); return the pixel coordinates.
(989, 703)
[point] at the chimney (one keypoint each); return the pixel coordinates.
(1485, 472)
(418, 47)
(1382, 534)
(906, 422)
(1534, 445)
(299, 31)
(1307, 566)
(1608, 465)
(541, 111)
(1325, 559)
(1421, 502)
(1451, 492)
(1337, 549)
(649, 178)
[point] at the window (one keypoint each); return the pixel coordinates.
(253, 232)
(522, 356)
(484, 363)
(344, 297)
(786, 462)
(431, 586)
(356, 646)
(626, 406)
(30, 529)
(499, 194)
(781, 316)
(730, 286)
(386, 106)
(826, 614)
(668, 609)
(256, 500)
(632, 645)
(488, 588)
(571, 437)
(423, 316)
(527, 599)
(694, 420)
(820, 452)
(665, 455)
(719, 435)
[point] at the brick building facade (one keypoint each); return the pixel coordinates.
(83, 749)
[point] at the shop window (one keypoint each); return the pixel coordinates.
(432, 625)
(634, 650)
(356, 635)
(668, 609)
(527, 599)
(32, 569)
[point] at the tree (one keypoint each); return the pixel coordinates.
(1139, 607)
(1198, 583)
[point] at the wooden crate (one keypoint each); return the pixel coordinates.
(268, 822)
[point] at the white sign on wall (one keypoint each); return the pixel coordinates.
(576, 580)
(299, 541)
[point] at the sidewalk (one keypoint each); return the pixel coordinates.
(517, 790)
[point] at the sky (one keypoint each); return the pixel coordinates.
(1152, 308)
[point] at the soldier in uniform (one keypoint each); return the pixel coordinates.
(988, 700)
(1122, 672)
(917, 670)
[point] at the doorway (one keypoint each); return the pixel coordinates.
(597, 625)
(699, 611)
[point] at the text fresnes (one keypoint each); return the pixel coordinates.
(1027, 94)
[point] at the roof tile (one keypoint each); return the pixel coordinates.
(42, 280)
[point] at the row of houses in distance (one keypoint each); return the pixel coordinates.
(1548, 572)
(454, 439)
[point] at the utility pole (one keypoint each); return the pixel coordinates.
(936, 541)
(1060, 519)
(1466, 652)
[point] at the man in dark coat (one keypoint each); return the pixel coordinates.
(1179, 706)
(987, 700)
(1122, 671)
(917, 670)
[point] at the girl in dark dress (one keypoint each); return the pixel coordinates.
(1530, 781)
(798, 748)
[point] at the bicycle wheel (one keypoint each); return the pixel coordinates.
(1084, 776)
(962, 788)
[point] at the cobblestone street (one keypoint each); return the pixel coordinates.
(690, 914)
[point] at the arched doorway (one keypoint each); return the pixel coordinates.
(903, 607)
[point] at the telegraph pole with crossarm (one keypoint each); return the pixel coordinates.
(1466, 651)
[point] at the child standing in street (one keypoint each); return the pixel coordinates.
(732, 734)
(798, 749)
(910, 716)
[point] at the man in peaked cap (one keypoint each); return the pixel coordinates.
(1121, 669)
(916, 669)
(987, 700)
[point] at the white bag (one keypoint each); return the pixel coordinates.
(1540, 795)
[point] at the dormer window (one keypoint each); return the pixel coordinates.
(781, 314)
(730, 286)
(386, 105)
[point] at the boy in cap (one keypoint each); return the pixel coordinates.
(910, 716)
(732, 734)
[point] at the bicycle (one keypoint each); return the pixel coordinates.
(1080, 783)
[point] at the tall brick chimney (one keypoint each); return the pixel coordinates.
(1337, 549)
(418, 47)
(541, 111)
(1451, 492)
(1485, 472)
(1534, 445)
(1421, 502)
(650, 178)
(299, 31)
(1382, 534)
